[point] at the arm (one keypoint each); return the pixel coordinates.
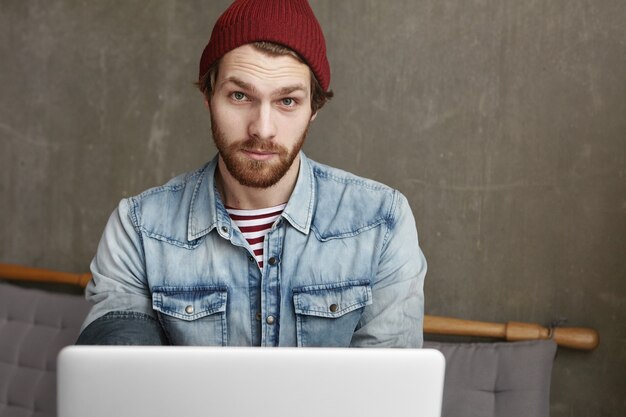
(122, 311)
(123, 328)
(395, 317)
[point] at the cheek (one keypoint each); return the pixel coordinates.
(293, 127)
(229, 122)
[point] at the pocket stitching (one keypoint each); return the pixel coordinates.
(324, 287)
(219, 306)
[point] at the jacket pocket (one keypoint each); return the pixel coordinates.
(193, 315)
(327, 314)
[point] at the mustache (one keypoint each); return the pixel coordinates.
(260, 145)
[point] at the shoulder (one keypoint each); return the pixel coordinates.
(163, 203)
(174, 186)
(338, 177)
(348, 204)
(172, 190)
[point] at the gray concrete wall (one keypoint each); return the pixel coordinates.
(503, 121)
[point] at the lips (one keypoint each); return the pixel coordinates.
(259, 155)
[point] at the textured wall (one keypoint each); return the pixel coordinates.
(504, 123)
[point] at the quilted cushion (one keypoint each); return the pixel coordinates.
(482, 379)
(34, 326)
(497, 379)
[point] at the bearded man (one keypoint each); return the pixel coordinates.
(262, 246)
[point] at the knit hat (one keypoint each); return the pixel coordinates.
(290, 23)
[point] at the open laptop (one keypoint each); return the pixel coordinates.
(137, 381)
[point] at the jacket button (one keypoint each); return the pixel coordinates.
(333, 308)
(270, 320)
(258, 316)
(189, 309)
(225, 229)
(272, 261)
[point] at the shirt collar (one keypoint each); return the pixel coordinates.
(299, 210)
(207, 211)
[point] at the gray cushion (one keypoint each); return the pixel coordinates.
(34, 326)
(497, 379)
(482, 379)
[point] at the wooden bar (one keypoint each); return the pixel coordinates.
(24, 273)
(571, 337)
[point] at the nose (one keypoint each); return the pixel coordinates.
(262, 125)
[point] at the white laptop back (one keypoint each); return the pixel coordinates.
(117, 381)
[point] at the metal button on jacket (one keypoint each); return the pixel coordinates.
(333, 308)
(272, 261)
(189, 309)
(270, 320)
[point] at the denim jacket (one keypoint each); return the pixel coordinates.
(342, 267)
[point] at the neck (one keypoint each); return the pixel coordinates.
(249, 198)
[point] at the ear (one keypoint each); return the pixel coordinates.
(313, 116)
(206, 103)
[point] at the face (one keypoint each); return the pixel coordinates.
(260, 112)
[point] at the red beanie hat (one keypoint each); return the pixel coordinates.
(286, 22)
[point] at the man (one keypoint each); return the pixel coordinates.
(262, 246)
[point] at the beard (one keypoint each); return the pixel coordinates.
(252, 173)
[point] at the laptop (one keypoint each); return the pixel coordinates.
(158, 381)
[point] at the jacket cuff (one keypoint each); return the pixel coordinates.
(123, 328)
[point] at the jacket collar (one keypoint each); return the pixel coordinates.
(299, 210)
(207, 211)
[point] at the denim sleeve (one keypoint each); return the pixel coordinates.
(118, 270)
(123, 328)
(396, 316)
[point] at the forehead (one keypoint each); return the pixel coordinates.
(262, 68)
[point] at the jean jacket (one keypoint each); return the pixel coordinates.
(342, 267)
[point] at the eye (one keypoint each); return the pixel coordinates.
(288, 102)
(238, 96)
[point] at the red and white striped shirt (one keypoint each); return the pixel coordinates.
(254, 225)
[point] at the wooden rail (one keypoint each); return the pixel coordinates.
(25, 273)
(571, 337)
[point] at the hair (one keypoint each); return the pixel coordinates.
(319, 97)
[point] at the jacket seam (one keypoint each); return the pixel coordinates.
(331, 286)
(390, 218)
(371, 185)
(186, 244)
(126, 315)
(134, 211)
(173, 187)
(192, 203)
(343, 235)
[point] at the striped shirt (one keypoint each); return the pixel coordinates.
(254, 225)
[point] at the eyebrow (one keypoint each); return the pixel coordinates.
(290, 89)
(280, 92)
(240, 83)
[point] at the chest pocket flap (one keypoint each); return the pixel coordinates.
(332, 300)
(189, 303)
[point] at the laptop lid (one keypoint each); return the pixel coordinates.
(125, 381)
